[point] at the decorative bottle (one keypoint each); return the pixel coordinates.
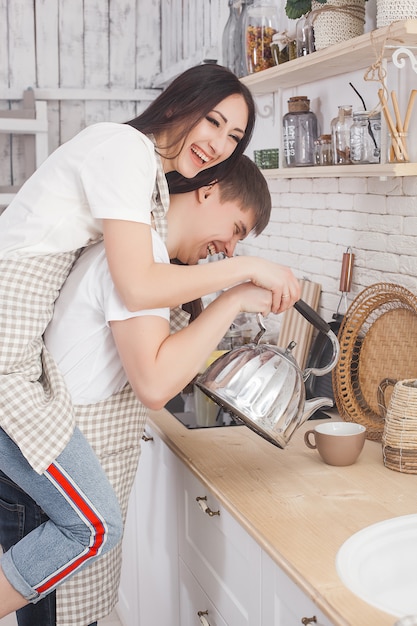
(340, 127)
(300, 132)
(261, 24)
(240, 39)
(230, 54)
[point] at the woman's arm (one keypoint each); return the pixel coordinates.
(159, 365)
(144, 284)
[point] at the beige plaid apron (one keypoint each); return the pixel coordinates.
(114, 428)
(35, 406)
(36, 410)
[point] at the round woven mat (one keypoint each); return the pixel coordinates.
(378, 340)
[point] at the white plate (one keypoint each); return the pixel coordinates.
(379, 564)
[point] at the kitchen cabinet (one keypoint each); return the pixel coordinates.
(148, 591)
(187, 561)
(283, 603)
(222, 557)
(351, 55)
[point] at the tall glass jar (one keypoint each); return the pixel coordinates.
(365, 137)
(340, 130)
(230, 53)
(240, 39)
(261, 25)
(300, 132)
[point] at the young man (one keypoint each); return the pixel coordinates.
(99, 345)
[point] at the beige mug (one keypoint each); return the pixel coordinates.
(338, 443)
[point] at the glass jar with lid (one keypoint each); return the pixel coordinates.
(261, 25)
(300, 132)
(324, 154)
(340, 130)
(365, 137)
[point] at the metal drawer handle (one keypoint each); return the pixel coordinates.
(202, 619)
(202, 503)
(309, 620)
(146, 437)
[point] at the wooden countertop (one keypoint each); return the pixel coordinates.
(297, 508)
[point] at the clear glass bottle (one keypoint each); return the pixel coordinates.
(260, 26)
(229, 50)
(304, 36)
(365, 137)
(340, 130)
(300, 131)
(240, 39)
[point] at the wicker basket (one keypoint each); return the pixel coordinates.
(378, 340)
(399, 439)
(336, 21)
(388, 11)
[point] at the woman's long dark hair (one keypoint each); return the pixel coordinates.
(186, 101)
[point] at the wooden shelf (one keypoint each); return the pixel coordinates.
(344, 171)
(348, 56)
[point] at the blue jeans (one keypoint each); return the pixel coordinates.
(19, 515)
(83, 517)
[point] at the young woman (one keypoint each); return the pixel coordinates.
(109, 181)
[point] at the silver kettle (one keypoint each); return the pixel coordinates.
(262, 385)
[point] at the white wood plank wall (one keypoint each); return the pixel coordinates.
(96, 60)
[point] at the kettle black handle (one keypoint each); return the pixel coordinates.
(312, 316)
(318, 322)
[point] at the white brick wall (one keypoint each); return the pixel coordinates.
(315, 220)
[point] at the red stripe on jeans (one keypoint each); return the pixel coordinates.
(85, 510)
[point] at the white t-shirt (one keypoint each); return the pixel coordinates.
(108, 170)
(79, 336)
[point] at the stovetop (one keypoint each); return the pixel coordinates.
(190, 420)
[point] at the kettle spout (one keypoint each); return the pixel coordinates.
(312, 405)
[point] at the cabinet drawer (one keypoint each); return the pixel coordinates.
(283, 603)
(195, 607)
(221, 555)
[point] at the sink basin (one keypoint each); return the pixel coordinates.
(379, 564)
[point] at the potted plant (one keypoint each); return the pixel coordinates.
(297, 8)
(333, 20)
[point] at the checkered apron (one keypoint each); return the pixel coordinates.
(114, 428)
(37, 413)
(35, 407)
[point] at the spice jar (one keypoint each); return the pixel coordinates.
(365, 137)
(283, 48)
(299, 133)
(261, 26)
(340, 127)
(324, 155)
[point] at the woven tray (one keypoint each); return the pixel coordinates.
(378, 340)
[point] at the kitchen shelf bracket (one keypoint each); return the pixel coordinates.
(399, 60)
